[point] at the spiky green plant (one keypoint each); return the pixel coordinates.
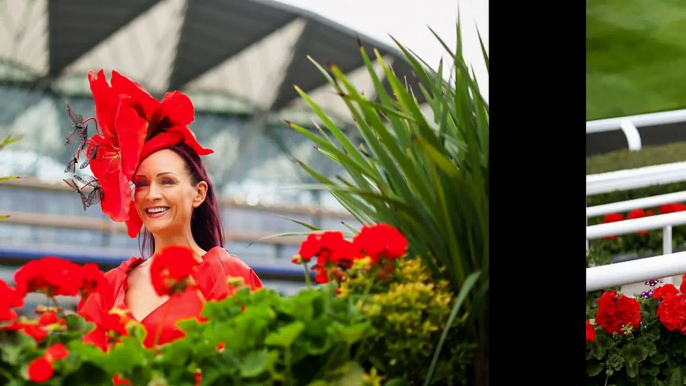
(426, 174)
(3, 143)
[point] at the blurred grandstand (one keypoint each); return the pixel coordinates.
(237, 60)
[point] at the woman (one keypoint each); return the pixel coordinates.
(147, 142)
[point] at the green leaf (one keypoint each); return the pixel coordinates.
(635, 353)
(255, 363)
(354, 333)
(676, 378)
(284, 336)
(396, 382)
(9, 140)
(461, 296)
(308, 226)
(658, 358)
(601, 345)
(352, 374)
(593, 368)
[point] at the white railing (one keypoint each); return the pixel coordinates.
(664, 221)
(639, 203)
(629, 124)
(635, 271)
(635, 178)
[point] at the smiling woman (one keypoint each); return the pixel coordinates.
(173, 208)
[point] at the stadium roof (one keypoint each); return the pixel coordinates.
(239, 55)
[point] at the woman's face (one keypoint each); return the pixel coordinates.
(165, 195)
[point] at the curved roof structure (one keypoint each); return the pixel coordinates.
(236, 55)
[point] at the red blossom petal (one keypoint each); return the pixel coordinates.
(40, 370)
(177, 108)
(144, 103)
(131, 130)
(170, 269)
(56, 352)
(106, 102)
(134, 223)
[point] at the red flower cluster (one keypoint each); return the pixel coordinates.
(129, 116)
(382, 243)
(50, 275)
(672, 308)
(639, 213)
(40, 369)
(171, 270)
(617, 314)
(590, 332)
(56, 276)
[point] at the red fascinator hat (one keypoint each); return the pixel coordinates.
(130, 125)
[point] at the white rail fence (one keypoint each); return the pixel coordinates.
(612, 275)
(669, 264)
(639, 203)
(629, 124)
(635, 178)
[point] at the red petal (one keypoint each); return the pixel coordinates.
(131, 130)
(190, 140)
(106, 102)
(134, 223)
(177, 108)
(146, 104)
(117, 195)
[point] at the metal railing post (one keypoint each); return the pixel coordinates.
(667, 249)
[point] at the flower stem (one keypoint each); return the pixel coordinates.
(56, 304)
(307, 275)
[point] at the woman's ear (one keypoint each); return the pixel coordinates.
(200, 194)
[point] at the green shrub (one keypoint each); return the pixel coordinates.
(410, 311)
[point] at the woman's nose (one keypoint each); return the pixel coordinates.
(154, 192)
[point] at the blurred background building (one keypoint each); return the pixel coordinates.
(238, 60)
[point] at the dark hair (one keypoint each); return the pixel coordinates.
(206, 225)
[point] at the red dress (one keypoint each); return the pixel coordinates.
(211, 277)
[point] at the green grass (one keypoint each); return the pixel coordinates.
(635, 57)
(626, 159)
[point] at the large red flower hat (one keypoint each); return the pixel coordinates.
(130, 125)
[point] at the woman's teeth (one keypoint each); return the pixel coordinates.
(157, 210)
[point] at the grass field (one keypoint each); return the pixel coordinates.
(636, 57)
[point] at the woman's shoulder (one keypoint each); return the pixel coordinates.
(228, 260)
(232, 266)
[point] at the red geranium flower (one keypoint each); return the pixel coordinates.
(91, 277)
(664, 291)
(171, 270)
(56, 352)
(616, 312)
(9, 298)
(380, 241)
(672, 208)
(590, 332)
(128, 116)
(611, 217)
(50, 275)
(332, 251)
(40, 370)
(638, 213)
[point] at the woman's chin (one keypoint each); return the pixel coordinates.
(156, 226)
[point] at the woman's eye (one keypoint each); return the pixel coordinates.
(167, 181)
(139, 184)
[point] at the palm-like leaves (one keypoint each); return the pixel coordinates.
(426, 174)
(3, 143)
